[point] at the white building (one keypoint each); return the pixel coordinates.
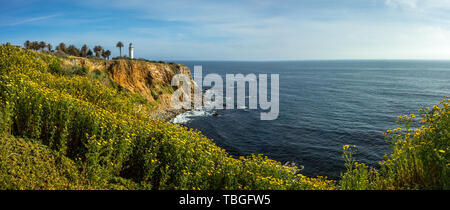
(131, 51)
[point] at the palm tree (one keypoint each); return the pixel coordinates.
(49, 47)
(107, 53)
(35, 46)
(89, 53)
(42, 45)
(120, 45)
(62, 47)
(72, 50)
(104, 54)
(98, 50)
(27, 44)
(84, 50)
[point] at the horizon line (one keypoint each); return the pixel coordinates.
(287, 60)
(309, 60)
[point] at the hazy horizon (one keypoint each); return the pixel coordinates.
(312, 60)
(306, 30)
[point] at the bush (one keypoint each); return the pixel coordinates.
(55, 67)
(80, 70)
(28, 165)
(420, 155)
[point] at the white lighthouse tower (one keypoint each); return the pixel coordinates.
(131, 51)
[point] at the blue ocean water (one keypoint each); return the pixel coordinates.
(323, 106)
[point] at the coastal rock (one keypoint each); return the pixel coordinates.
(152, 80)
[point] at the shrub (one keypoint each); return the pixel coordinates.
(420, 155)
(55, 67)
(80, 70)
(28, 165)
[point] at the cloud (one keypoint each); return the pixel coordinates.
(428, 11)
(33, 19)
(259, 29)
(420, 5)
(402, 3)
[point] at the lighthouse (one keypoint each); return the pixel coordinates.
(131, 51)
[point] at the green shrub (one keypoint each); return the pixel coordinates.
(55, 67)
(80, 70)
(28, 165)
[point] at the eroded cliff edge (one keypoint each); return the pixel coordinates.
(152, 80)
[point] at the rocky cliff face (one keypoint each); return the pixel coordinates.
(150, 79)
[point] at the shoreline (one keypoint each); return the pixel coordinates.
(166, 114)
(169, 114)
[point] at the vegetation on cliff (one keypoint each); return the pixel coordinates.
(72, 50)
(109, 141)
(61, 128)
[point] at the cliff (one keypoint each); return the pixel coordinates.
(152, 80)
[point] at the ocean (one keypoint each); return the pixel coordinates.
(323, 106)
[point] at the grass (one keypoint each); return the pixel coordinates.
(85, 133)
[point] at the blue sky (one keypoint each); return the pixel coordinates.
(238, 29)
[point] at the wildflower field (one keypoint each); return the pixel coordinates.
(63, 129)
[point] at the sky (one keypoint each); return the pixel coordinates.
(258, 30)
